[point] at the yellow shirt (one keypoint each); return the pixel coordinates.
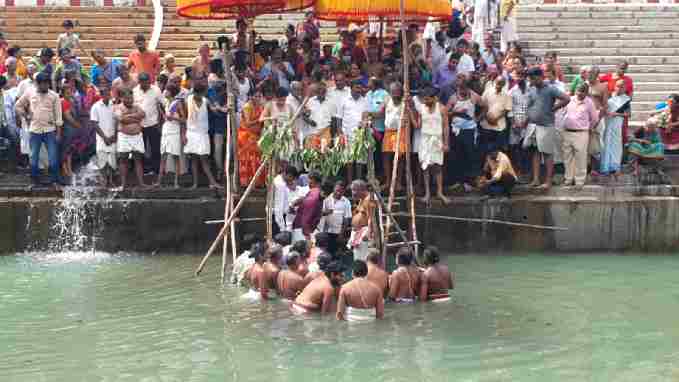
(502, 166)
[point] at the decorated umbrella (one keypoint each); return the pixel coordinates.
(384, 10)
(234, 9)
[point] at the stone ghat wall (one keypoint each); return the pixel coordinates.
(598, 219)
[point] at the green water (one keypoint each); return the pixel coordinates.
(98, 317)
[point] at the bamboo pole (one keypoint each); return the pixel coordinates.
(227, 181)
(493, 221)
(404, 114)
(232, 216)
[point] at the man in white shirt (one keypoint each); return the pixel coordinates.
(322, 110)
(336, 217)
(340, 92)
(466, 63)
(149, 98)
(285, 185)
(350, 114)
(496, 105)
(102, 115)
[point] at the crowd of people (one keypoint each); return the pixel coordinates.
(480, 117)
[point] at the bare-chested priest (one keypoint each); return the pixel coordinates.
(436, 279)
(319, 295)
(290, 282)
(360, 299)
(404, 283)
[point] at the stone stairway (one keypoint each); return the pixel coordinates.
(605, 34)
(113, 29)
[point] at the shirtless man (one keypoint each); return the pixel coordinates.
(360, 295)
(258, 274)
(404, 282)
(323, 260)
(362, 220)
(377, 275)
(436, 279)
(289, 282)
(318, 296)
(272, 265)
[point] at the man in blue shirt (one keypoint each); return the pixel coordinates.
(445, 77)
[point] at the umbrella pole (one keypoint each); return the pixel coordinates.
(381, 52)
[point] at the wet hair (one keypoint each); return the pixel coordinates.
(322, 240)
(282, 92)
(293, 258)
(431, 254)
(144, 77)
(283, 238)
(374, 256)
(274, 252)
(404, 256)
(292, 171)
(360, 268)
(300, 247)
(315, 176)
(258, 250)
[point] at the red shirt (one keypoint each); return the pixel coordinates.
(147, 62)
(309, 212)
(612, 78)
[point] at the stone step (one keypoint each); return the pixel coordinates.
(552, 36)
(650, 97)
(587, 28)
(597, 8)
(587, 16)
(638, 77)
(615, 59)
(594, 44)
(651, 52)
(598, 22)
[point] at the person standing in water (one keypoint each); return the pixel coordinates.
(376, 274)
(290, 282)
(404, 283)
(360, 296)
(436, 279)
(319, 295)
(258, 275)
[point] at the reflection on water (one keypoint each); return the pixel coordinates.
(100, 317)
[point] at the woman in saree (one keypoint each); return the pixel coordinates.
(646, 144)
(670, 133)
(249, 131)
(611, 151)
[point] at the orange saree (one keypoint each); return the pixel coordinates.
(249, 155)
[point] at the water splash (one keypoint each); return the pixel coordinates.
(79, 218)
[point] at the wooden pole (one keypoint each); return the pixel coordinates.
(404, 115)
(232, 216)
(381, 51)
(227, 184)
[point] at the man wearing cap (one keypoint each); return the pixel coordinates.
(43, 63)
(542, 103)
(142, 60)
(42, 111)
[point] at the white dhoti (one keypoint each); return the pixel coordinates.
(170, 141)
(130, 143)
(358, 243)
(431, 151)
(107, 158)
(197, 143)
(508, 33)
(360, 315)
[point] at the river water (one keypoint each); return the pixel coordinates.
(84, 316)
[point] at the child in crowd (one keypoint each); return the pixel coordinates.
(101, 115)
(68, 39)
(174, 129)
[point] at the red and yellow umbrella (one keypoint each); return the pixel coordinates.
(233, 9)
(385, 10)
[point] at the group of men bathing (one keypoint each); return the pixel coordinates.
(323, 289)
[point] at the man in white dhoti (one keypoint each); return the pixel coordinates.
(434, 140)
